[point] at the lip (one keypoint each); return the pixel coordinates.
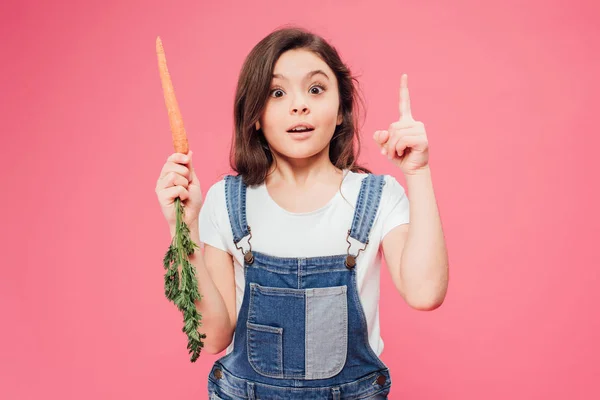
(300, 135)
(309, 126)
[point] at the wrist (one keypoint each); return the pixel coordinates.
(194, 231)
(423, 171)
(192, 226)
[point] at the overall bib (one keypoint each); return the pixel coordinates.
(301, 331)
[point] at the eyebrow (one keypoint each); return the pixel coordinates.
(308, 76)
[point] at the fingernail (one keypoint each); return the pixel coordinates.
(383, 151)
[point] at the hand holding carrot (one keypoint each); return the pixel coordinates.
(178, 179)
(179, 194)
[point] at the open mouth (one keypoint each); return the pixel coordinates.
(300, 130)
(300, 134)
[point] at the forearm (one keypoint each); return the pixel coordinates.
(215, 322)
(424, 262)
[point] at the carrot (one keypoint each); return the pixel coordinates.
(180, 142)
(181, 285)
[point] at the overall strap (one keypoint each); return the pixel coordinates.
(366, 207)
(235, 196)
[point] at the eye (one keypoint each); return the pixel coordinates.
(276, 90)
(320, 90)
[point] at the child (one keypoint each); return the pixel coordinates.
(290, 269)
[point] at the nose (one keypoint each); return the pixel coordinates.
(299, 106)
(301, 110)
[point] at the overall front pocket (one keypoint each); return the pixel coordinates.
(326, 331)
(297, 333)
(265, 349)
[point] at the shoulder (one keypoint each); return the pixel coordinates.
(391, 187)
(216, 192)
(354, 179)
(215, 198)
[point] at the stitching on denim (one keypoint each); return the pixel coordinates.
(251, 316)
(371, 394)
(264, 328)
(300, 273)
(358, 211)
(360, 208)
(366, 188)
(339, 296)
(342, 387)
(277, 291)
(326, 291)
(376, 194)
(235, 198)
(324, 271)
(230, 208)
(363, 319)
(242, 206)
(228, 390)
(238, 207)
(306, 337)
(279, 350)
(362, 234)
(370, 196)
(304, 272)
(251, 390)
(367, 210)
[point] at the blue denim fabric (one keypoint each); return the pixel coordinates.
(301, 331)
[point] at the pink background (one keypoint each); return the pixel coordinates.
(508, 93)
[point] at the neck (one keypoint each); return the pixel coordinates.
(302, 171)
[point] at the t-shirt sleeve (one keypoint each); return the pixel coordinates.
(395, 209)
(211, 218)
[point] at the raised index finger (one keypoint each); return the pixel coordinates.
(404, 98)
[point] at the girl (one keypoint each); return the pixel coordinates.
(290, 269)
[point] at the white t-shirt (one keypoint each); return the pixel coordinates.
(322, 232)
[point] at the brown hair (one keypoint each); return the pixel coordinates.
(250, 154)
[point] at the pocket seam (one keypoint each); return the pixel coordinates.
(361, 314)
(264, 328)
(267, 329)
(333, 292)
(275, 291)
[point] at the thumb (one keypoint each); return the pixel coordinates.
(381, 137)
(193, 177)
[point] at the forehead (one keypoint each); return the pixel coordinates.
(295, 64)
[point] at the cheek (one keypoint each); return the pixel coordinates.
(271, 117)
(272, 124)
(330, 109)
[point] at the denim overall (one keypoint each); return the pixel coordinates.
(301, 331)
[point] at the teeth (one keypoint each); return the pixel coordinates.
(300, 129)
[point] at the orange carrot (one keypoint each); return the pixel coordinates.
(180, 142)
(181, 286)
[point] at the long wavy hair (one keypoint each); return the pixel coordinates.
(250, 155)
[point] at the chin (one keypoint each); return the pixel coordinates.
(300, 151)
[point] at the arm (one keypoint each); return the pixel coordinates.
(216, 284)
(416, 253)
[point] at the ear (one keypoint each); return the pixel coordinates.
(340, 119)
(257, 125)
